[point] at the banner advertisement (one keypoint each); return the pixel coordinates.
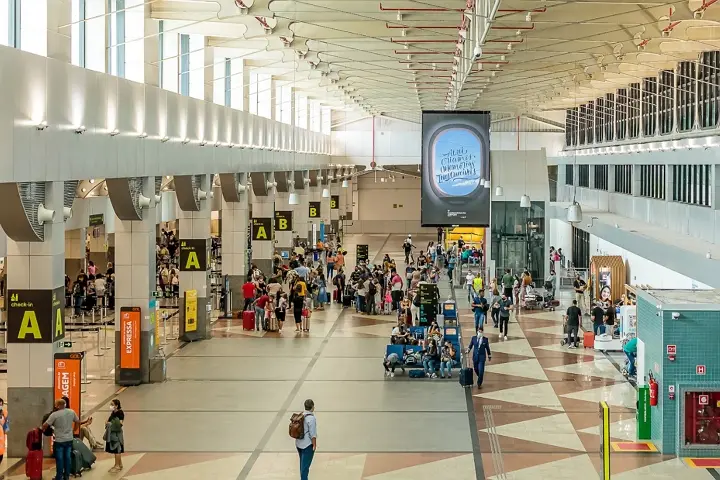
(67, 378)
(455, 166)
(283, 220)
(191, 304)
(130, 337)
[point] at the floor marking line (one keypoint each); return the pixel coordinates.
(250, 463)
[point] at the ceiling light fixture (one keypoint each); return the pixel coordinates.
(80, 129)
(143, 135)
(344, 183)
(203, 143)
(509, 47)
(92, 180)
(165, 139)
(185, 141)
(42, 125)
(114, 132)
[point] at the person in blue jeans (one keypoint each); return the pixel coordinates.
(479, 308)
(480, 347)
(307, 445)
(630, 350)
(431, 356)
(63, 421)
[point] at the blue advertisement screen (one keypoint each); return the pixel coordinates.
(455, 167)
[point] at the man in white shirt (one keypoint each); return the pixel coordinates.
(469, 285)
(307, 445)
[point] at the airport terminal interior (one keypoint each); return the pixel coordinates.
(359, 239)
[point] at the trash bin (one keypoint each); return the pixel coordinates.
(158, 367)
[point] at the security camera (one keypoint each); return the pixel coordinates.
(477, 52)
(675, 315)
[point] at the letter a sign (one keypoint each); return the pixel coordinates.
(30, 316)
(262, 229)
(193, 255)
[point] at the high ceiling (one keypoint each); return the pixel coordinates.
(396, 57)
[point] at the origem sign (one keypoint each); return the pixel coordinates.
(283, 220)
(455, 164)
(314, 209)
(67, 377)
(334, 202)
(130, 337)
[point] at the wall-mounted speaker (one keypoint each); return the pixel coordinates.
(45, 215)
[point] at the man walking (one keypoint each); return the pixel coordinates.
(572, 319)
(505, 306)
(308, 443)
(63, 421)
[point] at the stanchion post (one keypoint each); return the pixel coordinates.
(105, 334)
(84, 375)
(82, 324)
(164, 321)
(99, 349)
(604, 412)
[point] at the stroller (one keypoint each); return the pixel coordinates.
(549, 302)
(534, 298)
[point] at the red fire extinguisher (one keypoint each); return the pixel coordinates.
(654, 390)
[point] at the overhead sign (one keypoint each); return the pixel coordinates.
(191, 313)
(314, 209)
(193, 255)
(455, 163)
(67, 377)
(362, 252)
(262, 229)
(334, 202)
(283, 220)
(130, 337)
(96, 219)
(35, 316)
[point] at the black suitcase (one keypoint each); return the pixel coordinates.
(466, 377)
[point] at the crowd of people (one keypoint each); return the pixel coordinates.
(167, 259)
(90, 289)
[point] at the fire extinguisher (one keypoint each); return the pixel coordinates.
(654, 390)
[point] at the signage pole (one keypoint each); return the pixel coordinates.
(105, 334)
(164, 322)
(100, 352)
(604, 441)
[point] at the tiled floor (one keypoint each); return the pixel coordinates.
(223, 413)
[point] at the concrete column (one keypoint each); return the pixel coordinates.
(273, 99)
(263, 207)
(209, 72)
(235, 221)
(301, 222)
(75, 251)
(151, 48)
(314, 198)
(635, 180)
(59, 13)
(284, 237)
(135, 274)
(194, 273)
(611, 178)
(35, 273)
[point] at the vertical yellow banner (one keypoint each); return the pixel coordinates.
(190, 311)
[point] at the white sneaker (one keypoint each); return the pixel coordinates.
(392, 374)
(387, 374)
(505, 337)
(434, 375)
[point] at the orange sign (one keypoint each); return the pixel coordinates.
(68, 371)
(130, 337)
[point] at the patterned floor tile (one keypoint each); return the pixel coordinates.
(524, 368)
(570, 468)
(539, 395)
(555, 430)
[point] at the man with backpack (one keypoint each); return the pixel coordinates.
(303, 428)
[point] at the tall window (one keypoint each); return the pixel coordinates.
(584, 176)
(608, 121)
(95, 51)
(621, 112)
(691, 184)
(315, 121)
(236, 84)
(301, 110)
(569, 177)
(184, 64)
(196, 57)
(571, 127)
(709, 89)
(221, 81)
(77, 33)
(666, 94)
(599, 116)
(169, 52)
(600, 179)
(135, 40)
(649, 106)
(116, 34)
(283, 103)
(623, 179)
(652, 181)
(253, 93)
(265, 95)
(326, 121)
(685, 96)
(634, 111)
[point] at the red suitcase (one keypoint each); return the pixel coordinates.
(248, 317)
(589, 340)
(34, 465)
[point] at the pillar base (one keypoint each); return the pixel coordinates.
(204, 331)
(29, 405)
(238, 301)
(144, 375)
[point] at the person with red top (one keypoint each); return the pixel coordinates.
(248, 290)
(260, 310)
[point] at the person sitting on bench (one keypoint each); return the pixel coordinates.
(400, 335)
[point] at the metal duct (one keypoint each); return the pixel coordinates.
(124, 194)
(299, 177)
(186, 189)
(314, 178)
(18, 216)
(259, 184)
(69, 191)
(283, 185)
(229, 186)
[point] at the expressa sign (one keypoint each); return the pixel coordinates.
(130, 337)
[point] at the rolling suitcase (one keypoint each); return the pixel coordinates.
(34, 465)
(248, 317)
(589, 340)
(466, 377)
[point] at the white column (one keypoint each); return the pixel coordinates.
(235, 221)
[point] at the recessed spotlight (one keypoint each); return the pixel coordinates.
(167, 177)
(83, 190)
(92, 180)
(165, 139)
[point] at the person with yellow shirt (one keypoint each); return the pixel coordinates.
(478, 283)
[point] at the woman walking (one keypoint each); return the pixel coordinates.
(114, 440)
